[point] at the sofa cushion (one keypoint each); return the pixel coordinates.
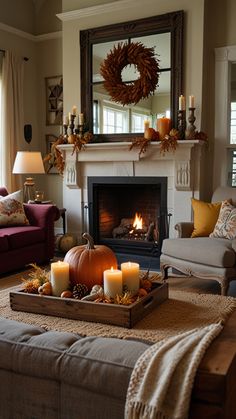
(201, 250)
(19, 237)
(18, 195)
(12, 212)
(4, 244)
(103, 365)
(205, 216)
(226, 223)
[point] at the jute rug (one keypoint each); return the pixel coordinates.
(183, 311)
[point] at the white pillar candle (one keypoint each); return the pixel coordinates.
(182, 103)
(81, 118)
(191, 101)
(59, 277)
(112, 282)
(130, 275)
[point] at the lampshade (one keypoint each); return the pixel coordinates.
(28, 162)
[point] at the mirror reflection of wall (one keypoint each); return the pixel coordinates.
(111, 117)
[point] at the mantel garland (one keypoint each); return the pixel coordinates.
(121, 56)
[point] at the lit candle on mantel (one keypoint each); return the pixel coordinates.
(191, 101)
(130, 275)
(112, 282)
(163, 126)
(182, 105)
(60, 279)
(146, 124)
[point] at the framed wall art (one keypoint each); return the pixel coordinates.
(54, 100)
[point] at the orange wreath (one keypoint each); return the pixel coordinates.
(126, 54)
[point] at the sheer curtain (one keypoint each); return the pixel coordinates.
(11, 123)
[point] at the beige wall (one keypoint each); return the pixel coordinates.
(45, 60)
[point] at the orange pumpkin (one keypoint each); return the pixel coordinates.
(88, 262)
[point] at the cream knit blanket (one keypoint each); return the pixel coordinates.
(162, 380)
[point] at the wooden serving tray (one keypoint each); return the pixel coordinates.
(119, 315)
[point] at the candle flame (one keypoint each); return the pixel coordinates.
(138, 221)
(112, 269)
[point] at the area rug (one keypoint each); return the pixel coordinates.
(183, 311)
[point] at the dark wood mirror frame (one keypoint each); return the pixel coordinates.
(169, 22)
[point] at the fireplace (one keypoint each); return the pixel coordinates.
(129, 214)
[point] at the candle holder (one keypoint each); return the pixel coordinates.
(191, 129)
(65, 135)
(181, 123)
(72, 124)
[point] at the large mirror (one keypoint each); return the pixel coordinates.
(111, 121)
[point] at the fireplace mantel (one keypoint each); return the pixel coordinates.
(119, 152)
(182, 168)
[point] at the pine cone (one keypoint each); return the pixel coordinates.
(79, 291)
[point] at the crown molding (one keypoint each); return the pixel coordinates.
(17, 32)
(48, 36)
(97, 10)
(29, 36)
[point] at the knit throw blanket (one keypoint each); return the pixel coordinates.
(162, 380)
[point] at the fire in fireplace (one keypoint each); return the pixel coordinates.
(129, 214)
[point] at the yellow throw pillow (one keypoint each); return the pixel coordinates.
(205, 216)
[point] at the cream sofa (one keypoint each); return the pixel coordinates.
(202, 257)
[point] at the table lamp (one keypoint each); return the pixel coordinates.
(28, 162)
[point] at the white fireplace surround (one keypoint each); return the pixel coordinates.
(181, 167)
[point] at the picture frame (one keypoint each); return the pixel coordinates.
(50, 169)
(54, 100)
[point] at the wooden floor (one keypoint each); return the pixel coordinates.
(178, 282)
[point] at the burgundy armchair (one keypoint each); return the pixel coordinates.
(33, 243)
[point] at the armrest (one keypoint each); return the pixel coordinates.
(41, 215)
(184, 229)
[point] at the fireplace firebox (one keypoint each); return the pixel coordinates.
(129, 214)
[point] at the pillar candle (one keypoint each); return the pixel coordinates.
(74, 110)
(81, 118)
(191, 101)
(112, 282)
(182, 106)
(163, 126)
(130, 275)
(146, 124)
(59, 277)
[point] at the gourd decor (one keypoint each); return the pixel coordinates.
(88, 262)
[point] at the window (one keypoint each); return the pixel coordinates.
(233, 123)
(138, 121)
(114, 120)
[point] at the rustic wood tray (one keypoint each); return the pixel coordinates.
(119, 315)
